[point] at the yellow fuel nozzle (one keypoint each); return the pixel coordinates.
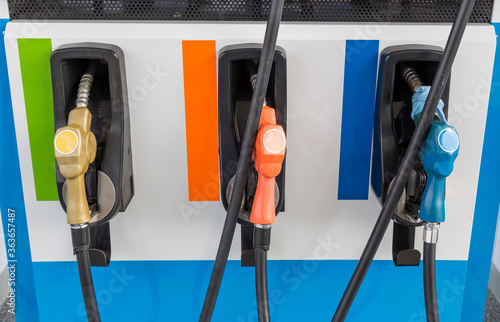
(75, 148)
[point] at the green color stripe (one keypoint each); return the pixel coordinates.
(34, 56)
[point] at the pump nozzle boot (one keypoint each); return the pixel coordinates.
(75, 148)
(269, 153)
(438, 154)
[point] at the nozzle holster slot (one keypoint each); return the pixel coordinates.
(109, 180)
(237, 64)
(393, 130)
(100, 245)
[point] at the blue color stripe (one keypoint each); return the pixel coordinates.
(487, 206)
(360, 82)
(11, 197)
(299, 290)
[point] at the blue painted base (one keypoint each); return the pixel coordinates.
(298, 291)
(487, 205)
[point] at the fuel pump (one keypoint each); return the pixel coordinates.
(437, 154)
(237, 80)
(424, 126)
(247, 150)
(93, 151)
(75, 148)
(269, 154)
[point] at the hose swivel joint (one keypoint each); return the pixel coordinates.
(431, 233)
(80, 237)
(262, 236)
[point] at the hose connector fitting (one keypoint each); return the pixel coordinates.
(80, 237)
(431, 233)
(262, 236)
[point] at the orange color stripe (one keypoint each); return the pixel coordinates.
(200, 96)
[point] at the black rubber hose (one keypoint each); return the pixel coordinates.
(438, 85)
(431, 304)
(261, 284)
(80, 237)
(248, 144)
(83, 260)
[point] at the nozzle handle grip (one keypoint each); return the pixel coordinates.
(263, 210)
(75, 148)
(77, 206)
(432, 205)
(438, 156)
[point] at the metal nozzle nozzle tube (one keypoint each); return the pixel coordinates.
(411, 77)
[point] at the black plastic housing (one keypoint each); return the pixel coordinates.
(237, 63)
(109, 180)
(235, 94)
(393, 130)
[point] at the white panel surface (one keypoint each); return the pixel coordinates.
(315, 224)
(495, 15)
(4, 9)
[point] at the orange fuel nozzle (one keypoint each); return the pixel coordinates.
(269, 153)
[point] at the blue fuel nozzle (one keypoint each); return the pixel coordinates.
(438, 155)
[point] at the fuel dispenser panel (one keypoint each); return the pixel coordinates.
(164, 244)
